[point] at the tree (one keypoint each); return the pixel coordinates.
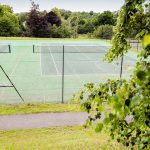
(52, 18)
(65, 13)
(119, 99)
(91, 13)
(22, 21)
(39, 23)
(9, 23)
(74, 23)
(104, 32)
(85, 27)
(62, 31)
(57, 12)
(104, 18)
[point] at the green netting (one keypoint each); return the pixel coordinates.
(68, 48)
(38, 77)
(5, 48)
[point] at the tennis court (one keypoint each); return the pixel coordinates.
(52, 71)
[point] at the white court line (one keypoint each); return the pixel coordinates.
(16, 65)
(54, 62)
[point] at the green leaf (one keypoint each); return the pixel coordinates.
(106, 121)
(117, 106)
(111, 116)
(99, 127)
(127, 102)
(135, 100)
(146, 41)
(141, 75)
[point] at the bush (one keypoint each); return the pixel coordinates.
(62, 31)
(88, 27)
(104, 32)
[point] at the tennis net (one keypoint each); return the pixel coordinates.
(5, 48)
(70, 49)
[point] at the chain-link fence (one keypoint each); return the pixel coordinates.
(54, 72)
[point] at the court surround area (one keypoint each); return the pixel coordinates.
(53, 70)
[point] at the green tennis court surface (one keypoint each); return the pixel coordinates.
(38, 75)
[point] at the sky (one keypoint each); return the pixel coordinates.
(73, 5)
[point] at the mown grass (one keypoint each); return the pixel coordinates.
(56, 138)
(32, 38)
(36, 108)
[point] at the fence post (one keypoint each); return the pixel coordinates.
(9, 48)
(63, 62)
(121, 67)
(33, 48)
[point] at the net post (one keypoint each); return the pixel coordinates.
(63, 56)
(121, 67)
(12, 83)
(33, 48)
(9, 48)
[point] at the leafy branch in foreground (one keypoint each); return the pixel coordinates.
(125, 105)
(121, 108)
(127, 21)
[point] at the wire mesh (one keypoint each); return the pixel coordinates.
(5, 48)
(136, 44)
(70, 48)
(57, 71)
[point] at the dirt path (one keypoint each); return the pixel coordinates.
(29, 121)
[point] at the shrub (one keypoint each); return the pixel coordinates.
(62, 31)
(104, 32)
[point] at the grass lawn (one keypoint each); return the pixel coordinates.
(32, 38)
(56, 138)
(36, 108)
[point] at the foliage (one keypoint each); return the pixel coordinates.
(56, 11)
(74, 23)
(104, 18)
(125, 104)
(85, 27)
(5, 8)
(104, 32)
(127, 21)
(30, 24)
(65, 13)
(38, 23)
(52, 18)
(121, 101)
(62, 31)
(79, 22)
(22, 22)
(9, 23)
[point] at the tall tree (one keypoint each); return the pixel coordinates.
(22, 21)
(52, 18)
(39, 23)
(9, 22)
(74, 23)
(104, 18)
